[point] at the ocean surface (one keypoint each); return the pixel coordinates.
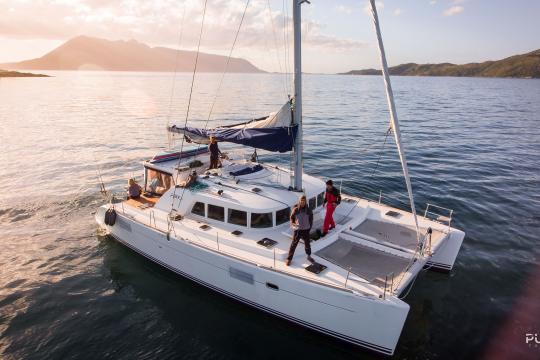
(68, 292)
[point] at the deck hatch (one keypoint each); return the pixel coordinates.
(393, 214)
(267, 243)
(316, 268)
(241, 275)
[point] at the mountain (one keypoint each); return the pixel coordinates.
(88, 53)
(518, 66)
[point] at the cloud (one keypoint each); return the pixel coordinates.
(159, 22)
(397, 12)
(344, 9)
(432, 2)
(453, 10)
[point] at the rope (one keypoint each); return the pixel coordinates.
(381, 152)
(286, 45)
(217, 91)
(189, 102)
(248, 191)
(276, 47)
(225, 70)
(180, 36)
(226, 65)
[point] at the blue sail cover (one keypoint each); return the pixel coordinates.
(275, 132)
(276, 139)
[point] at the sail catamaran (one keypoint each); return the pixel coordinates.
(230, 230)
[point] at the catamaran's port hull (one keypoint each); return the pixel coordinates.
(366, 321)
(444, 258)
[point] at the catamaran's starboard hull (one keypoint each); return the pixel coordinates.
(369, 322)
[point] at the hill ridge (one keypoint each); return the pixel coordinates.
(517, 66)
(90, 53)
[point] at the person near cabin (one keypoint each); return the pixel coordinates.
(214, 153)
(190, 180)
(332, 198)
(134, 189)
(156, 185)
(301, 222)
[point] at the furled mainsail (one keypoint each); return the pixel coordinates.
(275, 132)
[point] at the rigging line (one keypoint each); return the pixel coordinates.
(170, 137)
(276, 47)
(246, 190)
(381, 152)
(393, 114)
(286, 44)
(227, 64)
(290, 64)
(225, 70)
(189, 104)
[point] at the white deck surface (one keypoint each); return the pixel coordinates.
(358, 244)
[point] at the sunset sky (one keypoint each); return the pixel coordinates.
(338, 35)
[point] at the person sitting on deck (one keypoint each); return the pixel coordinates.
(332, 198)
(134, 189)
(214, 153)
(301, 222)
(156, 185)
(190, 180)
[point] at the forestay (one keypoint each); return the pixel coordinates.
(275, 132)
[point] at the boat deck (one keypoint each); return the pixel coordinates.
(395, 234)
(143, 201)
(372, 243)
(368, 263)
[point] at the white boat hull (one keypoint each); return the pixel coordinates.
(369, 322)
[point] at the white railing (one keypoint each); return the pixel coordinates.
(437, 216)
(219, 248)
(440, 214)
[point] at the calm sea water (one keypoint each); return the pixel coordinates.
(67, 292)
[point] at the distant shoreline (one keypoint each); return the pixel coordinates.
(524, 66)
(10, 73)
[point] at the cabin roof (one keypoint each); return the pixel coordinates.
(264, 190)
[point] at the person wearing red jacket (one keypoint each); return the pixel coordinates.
(332, 198)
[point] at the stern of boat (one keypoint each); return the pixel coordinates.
(445, 256)
(100, 217)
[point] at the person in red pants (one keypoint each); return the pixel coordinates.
(332, 198)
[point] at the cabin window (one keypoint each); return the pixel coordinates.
(237, 217)
(312, 203)
(198, 209)
(320, 199)
(283, 216)
(263, 220)
(216, 212)
(158, 182)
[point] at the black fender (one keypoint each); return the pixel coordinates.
(110, 217)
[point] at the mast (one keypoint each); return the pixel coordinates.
(393, 114)
(297, 115)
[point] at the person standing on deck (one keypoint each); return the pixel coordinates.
(332, 198)
(301, 222)
(214, 153)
